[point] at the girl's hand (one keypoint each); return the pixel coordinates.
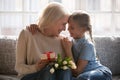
(33, 28)
(74, 72)
(41, 64)
(81, 64)
(67, 45)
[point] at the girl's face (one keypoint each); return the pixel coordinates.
(75, 30)
(57, 27)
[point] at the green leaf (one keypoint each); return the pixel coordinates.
(59, 59)
(67, 59)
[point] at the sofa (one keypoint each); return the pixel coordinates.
(108, 51)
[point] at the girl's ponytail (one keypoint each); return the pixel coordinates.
(90, 33)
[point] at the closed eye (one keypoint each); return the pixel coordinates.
(70, 27)
(64, 24)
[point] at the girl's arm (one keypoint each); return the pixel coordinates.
(67, 45)
(87, 54)
(81, 64)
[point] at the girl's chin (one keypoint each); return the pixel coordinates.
(72, 36)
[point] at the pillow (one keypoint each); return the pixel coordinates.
(108, 51)
(6, 77)
(7, 56)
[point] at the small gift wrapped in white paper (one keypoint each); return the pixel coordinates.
(48, 56)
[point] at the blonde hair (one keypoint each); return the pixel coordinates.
(52, 12)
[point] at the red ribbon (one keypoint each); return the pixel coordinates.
(48, 55)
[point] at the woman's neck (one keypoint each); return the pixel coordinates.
(48, 34)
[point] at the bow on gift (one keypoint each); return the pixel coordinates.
(48, 55)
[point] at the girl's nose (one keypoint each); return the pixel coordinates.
(63, 28)
(68, 29)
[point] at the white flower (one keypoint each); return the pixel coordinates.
(73, 66)
(56, 65)
(71, 62)
(52, 70)
(64, 62)
(64, 67)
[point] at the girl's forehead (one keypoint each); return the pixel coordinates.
(74, 24)
(71, 21)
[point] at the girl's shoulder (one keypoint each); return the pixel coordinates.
(88, 43)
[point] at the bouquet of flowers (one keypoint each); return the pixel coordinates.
(60, 63)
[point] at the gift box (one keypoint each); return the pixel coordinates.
(48, 56)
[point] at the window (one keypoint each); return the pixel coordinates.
(105, 15)
(16, 14)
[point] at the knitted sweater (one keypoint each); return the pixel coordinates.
(30, 47)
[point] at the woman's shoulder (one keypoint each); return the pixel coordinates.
(24, 33)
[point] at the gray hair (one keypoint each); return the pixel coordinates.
(53, 12)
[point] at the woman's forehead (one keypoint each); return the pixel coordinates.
(63, 20)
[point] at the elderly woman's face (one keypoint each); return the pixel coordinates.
(58, 26)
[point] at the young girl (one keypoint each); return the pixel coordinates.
(83, 50)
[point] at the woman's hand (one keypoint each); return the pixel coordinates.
(33, 28)
(41, 64)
